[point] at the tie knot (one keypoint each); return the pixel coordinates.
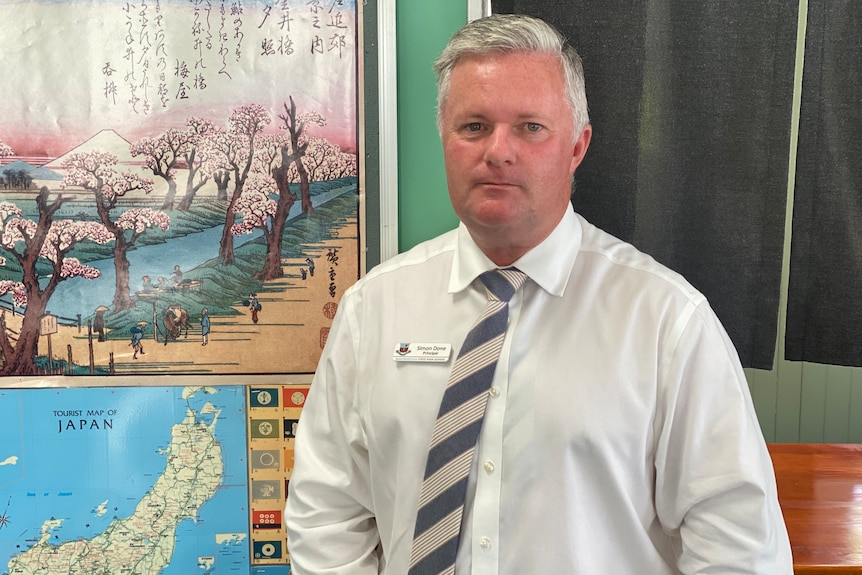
(503, 283)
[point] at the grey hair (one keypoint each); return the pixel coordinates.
(512, 33)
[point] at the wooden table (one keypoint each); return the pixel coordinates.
(820, 491)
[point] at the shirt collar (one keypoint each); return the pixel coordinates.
(560, 247)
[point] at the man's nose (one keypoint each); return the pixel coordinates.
(500, 147)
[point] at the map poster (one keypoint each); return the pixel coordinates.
(126, 481)
(179, 186)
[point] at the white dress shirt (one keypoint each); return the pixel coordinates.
(619, 435)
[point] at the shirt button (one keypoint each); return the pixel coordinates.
(494, 391)
(489, 466)
(485, 543)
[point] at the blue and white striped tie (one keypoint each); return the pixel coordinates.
(450, 456)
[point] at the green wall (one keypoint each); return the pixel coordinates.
(794, 401)
(423, 28)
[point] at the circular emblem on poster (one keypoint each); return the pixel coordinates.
(267, 549)
(266, 460)
(329, 310)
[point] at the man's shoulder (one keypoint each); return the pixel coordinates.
(425, 260)
(628, 259)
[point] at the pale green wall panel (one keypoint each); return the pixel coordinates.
(812, 414)
(811, 403)
(836, 424)
(763, 393)
(787, 403)
(423, 28)
(855, 408)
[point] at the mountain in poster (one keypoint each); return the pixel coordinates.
(104, 141)
(35, 173)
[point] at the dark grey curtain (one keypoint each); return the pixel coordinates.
(690, 102)
(824, 316)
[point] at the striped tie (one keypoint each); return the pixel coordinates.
(441, 501)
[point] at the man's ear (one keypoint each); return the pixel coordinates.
(581, 145)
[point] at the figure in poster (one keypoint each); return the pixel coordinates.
(205, 326)
(254, 306)
(310, 263)
(99, 322)
(147, 284)
(176, 277)
(137, 338)
(162, 284)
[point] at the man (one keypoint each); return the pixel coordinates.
(99, 321)
(176, 277)
(205, 326)
(137, 338)
(618, 436)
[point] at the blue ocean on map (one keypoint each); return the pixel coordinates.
(78, 459)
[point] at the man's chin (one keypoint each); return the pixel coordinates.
(493, 219)
(499, 227)
(494, 212)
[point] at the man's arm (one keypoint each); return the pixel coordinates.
(331, 527)
(715, 486)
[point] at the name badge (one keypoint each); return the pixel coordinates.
(433, 352)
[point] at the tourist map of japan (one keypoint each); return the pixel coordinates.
(125, 481)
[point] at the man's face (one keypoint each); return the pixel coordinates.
(509, 148)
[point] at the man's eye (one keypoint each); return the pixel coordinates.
(474, 127)
(533, 127)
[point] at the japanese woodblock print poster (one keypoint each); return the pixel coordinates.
(178, 184)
